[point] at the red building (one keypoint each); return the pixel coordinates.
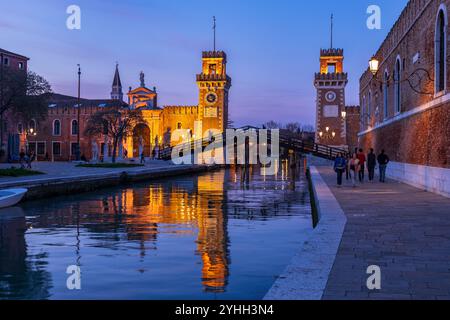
(405, 100)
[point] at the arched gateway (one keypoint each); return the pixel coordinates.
(142, 141)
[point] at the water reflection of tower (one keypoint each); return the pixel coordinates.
(212, 235)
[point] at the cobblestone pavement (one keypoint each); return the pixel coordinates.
(68, 169)
(403, 230)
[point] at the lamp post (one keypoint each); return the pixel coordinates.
(328, 134)
(78, 150)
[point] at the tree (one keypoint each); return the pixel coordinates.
(308, 128)
(293, 127)
(23, 94)
(117, 124)
(272, 125)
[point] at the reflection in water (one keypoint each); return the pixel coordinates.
(14, 263)
(104, 232)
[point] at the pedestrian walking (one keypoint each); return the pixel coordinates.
(371, 164)
(354, 168)
(30, 158)
(339, 167)
(362, 163)
(383, 161)
(142, 158)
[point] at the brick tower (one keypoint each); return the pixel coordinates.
(330, 84)
(213, 84)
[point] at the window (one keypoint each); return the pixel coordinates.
(21, 66)
(179, 126)
(32, 147)
(369, 108)
(6, 61)
(74, 127)
(40, 148)
(397, 85)
(385, 95)
(20, 128)
(440, 50)
(56, 148)
(332, 68)
(73, 148)
(212, 69)
(56, 128)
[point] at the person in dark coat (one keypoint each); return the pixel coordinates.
(371, 164)
(383, 161)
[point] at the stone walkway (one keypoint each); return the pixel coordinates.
(68, 169)
(403, 230)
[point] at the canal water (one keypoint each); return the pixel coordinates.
(212, 236)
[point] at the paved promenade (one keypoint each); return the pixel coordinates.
(61, 178)
(53, 170)
(403, 230)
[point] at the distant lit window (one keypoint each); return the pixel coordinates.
(212, 69)
(440, 49)
(21, 65)
(56, 128)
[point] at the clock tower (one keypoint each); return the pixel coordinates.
(213, 84)
(330, 84)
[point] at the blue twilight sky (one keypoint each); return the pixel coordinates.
(273, 47)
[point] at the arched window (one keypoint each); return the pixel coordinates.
(56, 128)
(385, 95)
(440, 49)
(74, 126)
(397, 85)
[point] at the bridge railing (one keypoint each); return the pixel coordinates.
(291, 141)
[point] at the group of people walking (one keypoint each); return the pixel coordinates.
(26, 159)
(354, 166)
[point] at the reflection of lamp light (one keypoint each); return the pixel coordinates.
(374, 65)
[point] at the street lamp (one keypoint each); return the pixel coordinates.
(374, 64)
(327, 134)
(344, 115)
(374, 67)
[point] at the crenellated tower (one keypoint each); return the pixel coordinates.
(214, 85)
(330, 84)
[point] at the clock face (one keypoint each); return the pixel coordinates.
(211, 98)
(330, 96)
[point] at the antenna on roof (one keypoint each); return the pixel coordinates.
(214, 28)
(331, 47)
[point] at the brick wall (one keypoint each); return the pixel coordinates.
(423, 137)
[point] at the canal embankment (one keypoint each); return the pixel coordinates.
(306, 277)
(67, 179)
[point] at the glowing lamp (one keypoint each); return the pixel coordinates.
(344, 114)
(374, 65)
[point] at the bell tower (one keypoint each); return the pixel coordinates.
(214, 85)
(330, 84)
